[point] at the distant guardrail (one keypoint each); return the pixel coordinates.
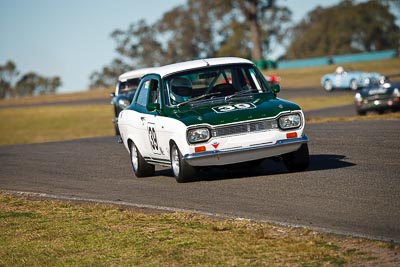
(339, 59)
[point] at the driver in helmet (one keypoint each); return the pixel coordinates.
(181, 90)
(339, 70)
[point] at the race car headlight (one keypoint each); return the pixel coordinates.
(198, 135)
(358, 97)
(289, 121)
(123, 103)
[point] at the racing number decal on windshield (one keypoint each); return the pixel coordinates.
(151, 130)
(228, 108)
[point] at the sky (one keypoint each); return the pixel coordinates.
(71, 38)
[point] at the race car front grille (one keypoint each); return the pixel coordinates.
(241, 128)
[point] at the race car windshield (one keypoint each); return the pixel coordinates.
(214, 82)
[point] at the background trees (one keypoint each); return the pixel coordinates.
(250, 29)
(344, 29)
(198, 29)
(29, 84)
(8, 72)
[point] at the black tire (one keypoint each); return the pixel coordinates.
(115, 121)
(328, 86)
(116, 128)
(140, 167)
(361, 113)
(298, 160)
(183, 172)
(117, 133)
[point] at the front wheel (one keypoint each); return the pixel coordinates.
(183, 172)
(328, 86)
(361, 113)
(140, 167)
(353, 85)
(297, 160)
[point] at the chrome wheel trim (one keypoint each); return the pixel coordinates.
(175, 161)
(134, 157)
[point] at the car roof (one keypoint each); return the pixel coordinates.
(199, 63)
(139, 73)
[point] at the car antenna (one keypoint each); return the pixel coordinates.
(208, 64)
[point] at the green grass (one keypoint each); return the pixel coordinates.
(54, 123)
(27, 100)
(52, 233)
(312, 103)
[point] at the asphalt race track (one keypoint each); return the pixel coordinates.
(351, 187)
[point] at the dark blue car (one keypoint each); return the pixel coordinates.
(379, 96)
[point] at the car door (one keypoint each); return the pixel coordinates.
(339, 80)
(152, 123)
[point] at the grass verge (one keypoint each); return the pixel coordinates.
(54, 123)
(312, 103)
(99, 94)
(44, 233)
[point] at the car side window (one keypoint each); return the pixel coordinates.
(142, 96)
(154, 92)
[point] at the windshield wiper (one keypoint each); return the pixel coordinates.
(197, 98)
(240, 93)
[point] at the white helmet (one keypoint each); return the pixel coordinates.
(339, 70)
(181, 90)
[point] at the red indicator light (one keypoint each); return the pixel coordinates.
(199, 149)
(291, 135)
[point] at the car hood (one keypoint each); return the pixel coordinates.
(377, 90)
(246, 108)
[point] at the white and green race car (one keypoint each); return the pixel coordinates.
(210, 112)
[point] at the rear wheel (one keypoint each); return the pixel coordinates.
(183, 172)
(298, 160)
(140, 167)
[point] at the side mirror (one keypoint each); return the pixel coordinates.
(276, 88)
(153, 106)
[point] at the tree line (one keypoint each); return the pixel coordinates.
(344, 29)
(12, 84)
(197, 29)
(250, 29)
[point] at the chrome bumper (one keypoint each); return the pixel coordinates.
(224, 157)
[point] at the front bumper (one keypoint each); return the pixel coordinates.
(224, 157)
(379, 105)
